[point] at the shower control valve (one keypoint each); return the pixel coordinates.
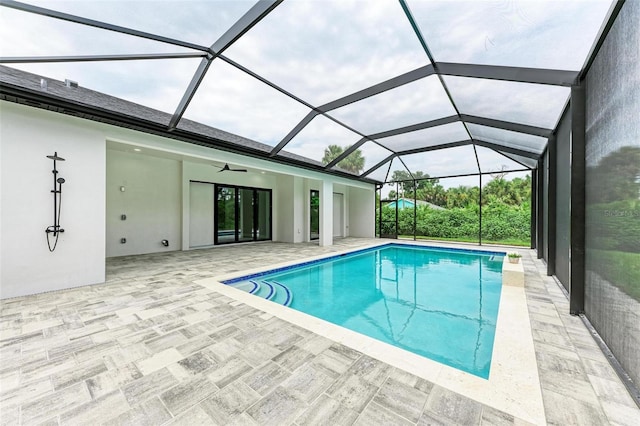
(53, 229)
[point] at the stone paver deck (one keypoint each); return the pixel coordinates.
(150, 346)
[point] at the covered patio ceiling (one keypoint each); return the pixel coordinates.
(441, 87)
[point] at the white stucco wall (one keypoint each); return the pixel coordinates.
(151, 201)
(209, 173)
(344, 209)
(290, 199)
(361, 212)
(27, 136)
(326, 213)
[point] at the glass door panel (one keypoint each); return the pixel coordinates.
(245, 215)
(226, 215)
(242, 214)
(263, 214)
(314, 212)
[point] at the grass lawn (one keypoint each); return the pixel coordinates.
(507, 242)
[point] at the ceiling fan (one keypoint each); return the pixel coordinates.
(226, 168)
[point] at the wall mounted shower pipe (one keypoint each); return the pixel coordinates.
(55, 229)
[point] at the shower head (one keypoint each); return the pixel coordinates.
(55, 157)
(60, 181)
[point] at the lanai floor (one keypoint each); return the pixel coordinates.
(152, 346)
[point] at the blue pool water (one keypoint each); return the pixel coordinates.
(438, 303)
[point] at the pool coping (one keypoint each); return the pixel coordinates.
(513, 385)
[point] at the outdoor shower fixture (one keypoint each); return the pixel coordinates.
(55, 229)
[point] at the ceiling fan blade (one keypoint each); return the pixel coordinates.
(226, 168)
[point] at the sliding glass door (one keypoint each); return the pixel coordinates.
(246, 230)
(242, 214)
(225, 223)
(263, 214)
(314, 215)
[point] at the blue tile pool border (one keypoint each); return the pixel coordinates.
(357, 252)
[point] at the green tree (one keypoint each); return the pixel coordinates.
(420, 186)
(433, 193)
(331, 153)
(462, 196)
(405, 182)
(514, 192)
(353, 163)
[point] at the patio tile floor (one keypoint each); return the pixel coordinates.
(150, 346)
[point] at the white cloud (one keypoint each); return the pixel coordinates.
(412, 103)
(447, 162)
(320, 51)
(324, 50)
(319, 134)
(491, 161)
(507, 137)
(431, 136)
(533, 104)
(196, 21)
(28, 34)
(553, 34)
(236, 102)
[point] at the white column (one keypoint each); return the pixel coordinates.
(306, 221)
(298, 209)
(186, 206)
(326, 213)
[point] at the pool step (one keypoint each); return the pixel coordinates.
(267, 290)
(270, 290)
(250, 287)
(285, 297)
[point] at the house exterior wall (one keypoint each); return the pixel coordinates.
(361, 222)
(151, 201)
(156, 199)
(326, 213)
(290, 198)
(155, 188)
(27, 136)
(341, 212)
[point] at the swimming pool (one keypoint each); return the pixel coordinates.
(438, 303)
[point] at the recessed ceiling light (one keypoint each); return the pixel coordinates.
(137, 149)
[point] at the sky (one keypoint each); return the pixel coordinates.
(321, 51)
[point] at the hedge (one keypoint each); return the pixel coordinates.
(499, 222)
